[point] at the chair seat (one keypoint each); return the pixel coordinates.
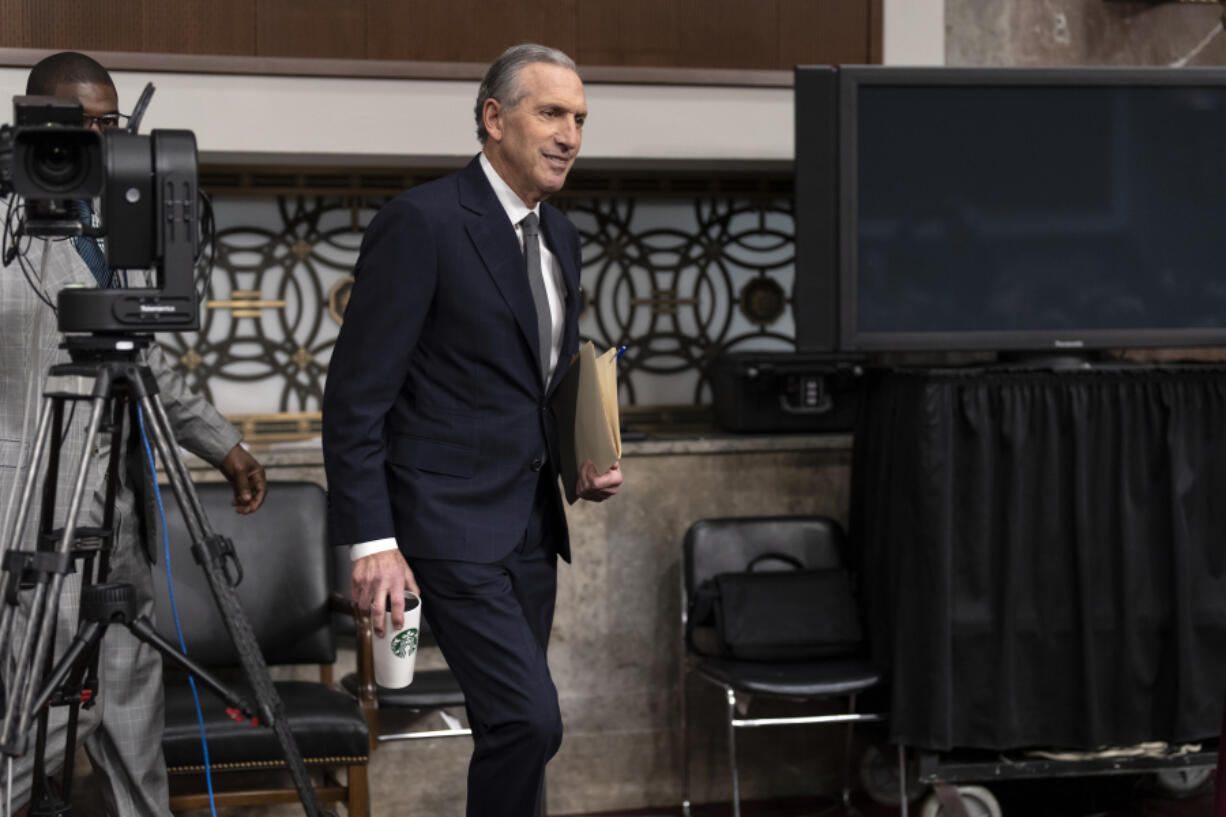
(431, 689)
(802, 679)
(327, 725)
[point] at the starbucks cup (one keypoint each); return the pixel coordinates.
(396, 650)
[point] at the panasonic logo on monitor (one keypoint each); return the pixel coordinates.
(1070, 344)
(156, 308)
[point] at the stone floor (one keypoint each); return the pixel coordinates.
(1123, 796)
(1101, 797)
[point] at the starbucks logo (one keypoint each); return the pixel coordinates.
(405, 644)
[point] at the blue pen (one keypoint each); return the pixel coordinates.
(620, 352)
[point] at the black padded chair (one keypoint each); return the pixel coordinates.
(286, 594)
(404, 711)
(727, 545)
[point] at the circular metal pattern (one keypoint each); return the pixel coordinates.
(290, 256)
(665, 279)
(676, 281)
(763, 301)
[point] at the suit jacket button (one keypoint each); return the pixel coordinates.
(537, 464)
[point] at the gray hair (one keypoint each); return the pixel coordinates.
(501, 82)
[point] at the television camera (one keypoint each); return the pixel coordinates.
(150, 212)
(150, 218)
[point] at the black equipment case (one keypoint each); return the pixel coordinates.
(785, 391)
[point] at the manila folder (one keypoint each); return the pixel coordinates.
(586, 407)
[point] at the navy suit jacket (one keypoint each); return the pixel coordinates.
(436, 418)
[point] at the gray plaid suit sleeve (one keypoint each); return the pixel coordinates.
(196, 425)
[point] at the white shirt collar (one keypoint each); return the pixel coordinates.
(508, 198)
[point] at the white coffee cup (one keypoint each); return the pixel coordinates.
(396, 650)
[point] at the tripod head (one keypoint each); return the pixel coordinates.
(104, 346)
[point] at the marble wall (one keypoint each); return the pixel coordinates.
(616, 651)
(1083, 32)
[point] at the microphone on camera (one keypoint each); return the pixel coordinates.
(138, 112)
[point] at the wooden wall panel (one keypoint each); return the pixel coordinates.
(728, 33)
(311, 28)
(680, 33)
(199, 27)
(823, 31)
(465, 30)
(627, 32)
(876, 37)
(61, 25)
(722, 34)
(12, 23)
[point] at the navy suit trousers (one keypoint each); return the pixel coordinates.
(492, 622)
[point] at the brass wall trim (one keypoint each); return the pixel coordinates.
(295, 426)
(246, 303)
(243, 303)
(290, 426)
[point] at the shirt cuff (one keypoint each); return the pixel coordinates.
(370, 548)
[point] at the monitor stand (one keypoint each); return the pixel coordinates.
(1061, 360)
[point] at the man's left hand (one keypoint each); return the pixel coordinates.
(596, 487)
(246, 475)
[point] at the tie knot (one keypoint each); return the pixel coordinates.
(530, 225)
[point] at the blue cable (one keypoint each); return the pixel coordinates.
(170, 586)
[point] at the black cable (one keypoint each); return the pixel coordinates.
(32, 279)
(18, 254)
(5, 258)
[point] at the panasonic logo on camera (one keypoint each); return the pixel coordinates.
(156, 308)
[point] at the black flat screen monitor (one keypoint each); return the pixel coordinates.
(1030, 209)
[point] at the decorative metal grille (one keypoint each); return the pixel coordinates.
(678, 283)
(676, 277)
(279, 282)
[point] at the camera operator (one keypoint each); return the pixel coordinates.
(122, 732)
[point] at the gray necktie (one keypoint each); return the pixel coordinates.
(536, 280)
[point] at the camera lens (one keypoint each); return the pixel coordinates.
(58, 162)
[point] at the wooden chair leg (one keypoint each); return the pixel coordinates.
(359, 792)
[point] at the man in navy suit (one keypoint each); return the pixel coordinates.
(440, 446)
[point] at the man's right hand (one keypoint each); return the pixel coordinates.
(378, 577)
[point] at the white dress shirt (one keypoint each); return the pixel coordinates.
(555, 291)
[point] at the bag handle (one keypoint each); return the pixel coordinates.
(786, 558)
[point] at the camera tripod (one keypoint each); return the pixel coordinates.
(106, 372)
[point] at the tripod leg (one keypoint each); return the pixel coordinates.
(177, 471)
(47, 595)
(143, 629)
(87, 637)
(205, 548)
(12, 539)
(41, 435)
(83, 645)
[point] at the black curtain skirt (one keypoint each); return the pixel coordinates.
(1044, 553)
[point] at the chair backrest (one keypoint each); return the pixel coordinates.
(287, 576)
(808, 615)
(728, 544)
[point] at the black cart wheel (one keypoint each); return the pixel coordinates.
(979, 803)
(879, 776)
(1180, 783)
